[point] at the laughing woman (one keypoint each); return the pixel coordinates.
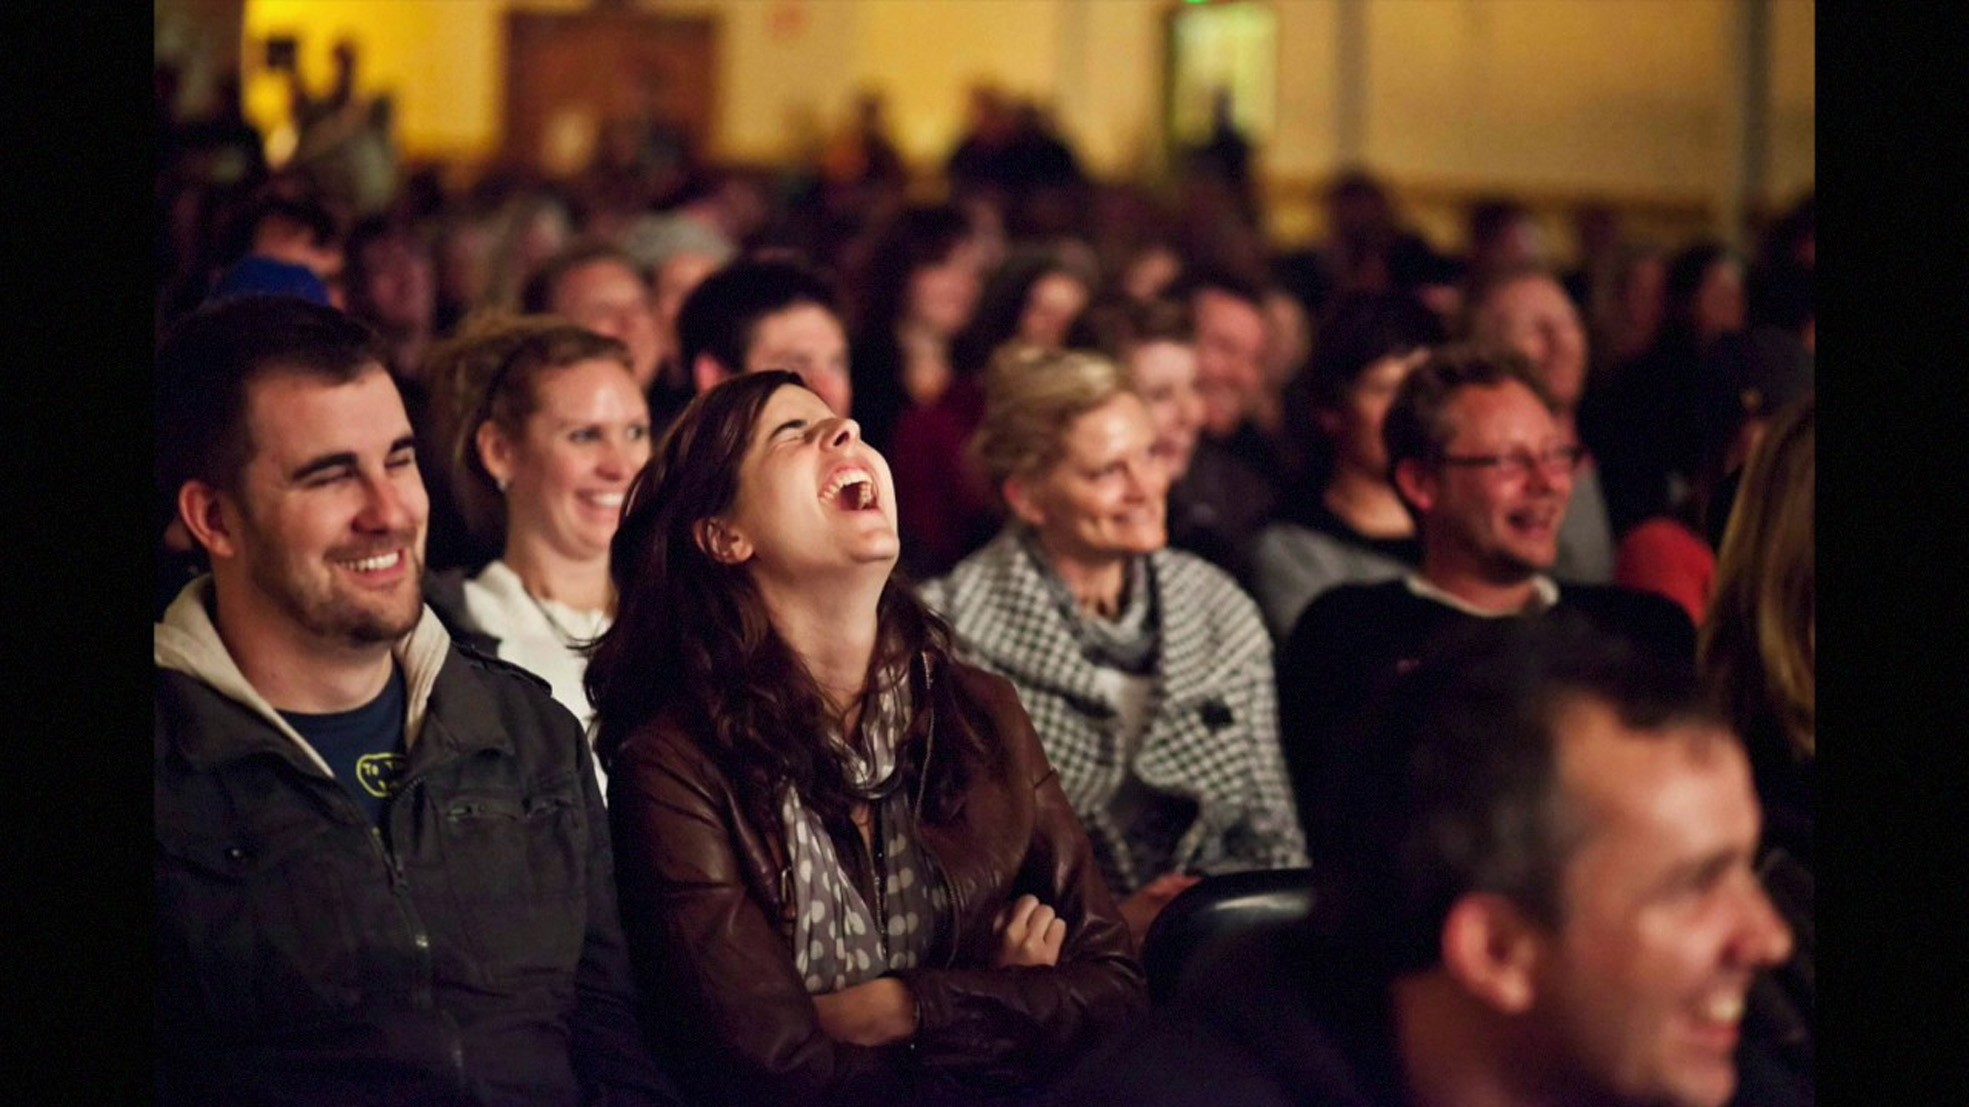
(1147, 672)
(846, 870)
(544, 427)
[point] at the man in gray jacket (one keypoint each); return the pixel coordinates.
(383, 870)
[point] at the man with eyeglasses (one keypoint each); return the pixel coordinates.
(1479, 458)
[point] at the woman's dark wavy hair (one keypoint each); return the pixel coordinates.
(691, 635)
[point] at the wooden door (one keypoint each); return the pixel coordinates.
(594, 84)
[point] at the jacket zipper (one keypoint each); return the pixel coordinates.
(922, 788)
(422, 992)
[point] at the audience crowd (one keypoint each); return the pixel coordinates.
(697, 634)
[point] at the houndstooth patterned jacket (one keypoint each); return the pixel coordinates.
(1212, 735)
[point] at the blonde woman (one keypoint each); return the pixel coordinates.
(544, 427)
(1146, 671)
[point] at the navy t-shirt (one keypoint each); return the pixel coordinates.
(363, 746)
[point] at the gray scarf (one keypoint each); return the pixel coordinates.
(1128, 641)
(836, 941)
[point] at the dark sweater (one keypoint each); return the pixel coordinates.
(1354, 640)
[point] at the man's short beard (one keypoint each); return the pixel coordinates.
(333, 619)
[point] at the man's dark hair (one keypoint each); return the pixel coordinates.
(721, 315)
(1459, 791)
(207, 362)
(1418, 425)
(1360, 330)
(1211, 279)
(310, 215)
(537, 298)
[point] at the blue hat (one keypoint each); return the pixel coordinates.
(257, 274)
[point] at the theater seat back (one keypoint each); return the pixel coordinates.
(1217, 912)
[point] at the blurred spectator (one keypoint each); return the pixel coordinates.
(1654, 418)
(391, 281)
(1626, 312)
(767, 313)
(1601, 242)
(1507, 938)
(598, 286)
(1528, 311)
(1503, 238)
(1036, 300)
(921, 284)
(1346, 524)
(1226, 154)
(1235, 475)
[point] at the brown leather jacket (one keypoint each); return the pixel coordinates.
(703, 893)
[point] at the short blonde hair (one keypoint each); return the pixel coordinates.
(1032, 396)
(1758, 643)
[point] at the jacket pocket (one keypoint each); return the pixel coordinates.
(515, 860)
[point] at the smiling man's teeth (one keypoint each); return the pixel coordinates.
(1724, 1008)
(373, 564)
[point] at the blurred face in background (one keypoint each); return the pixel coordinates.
(399, 283)
(810, 341)
(1534, 316)
(1719, 305)
(675, 280)
(1354, 427)
(1165, 375)
(1230, 349)
(1052, 305)
(608, 297)
(943, 296)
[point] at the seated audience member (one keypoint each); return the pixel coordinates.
(1478, 457)
(1757, 655)
(924, 275)
(1232, 484)
(767, 314)
(1651, 422)
(1147, 673)
(391, 283)
(383, 869)
(545, 428)
(1155, 341)
(1673, 553)
(1351, 528)
(946, 506)
(1561, 908)
(601, 288)
(299, 232)
(845, 861)
(1527, 310)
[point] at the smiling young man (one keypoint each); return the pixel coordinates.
(1478, 457)
(1555, 904)
(383, 870)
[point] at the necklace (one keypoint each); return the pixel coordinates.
(568, 639)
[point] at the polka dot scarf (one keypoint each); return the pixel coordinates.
(836, 943)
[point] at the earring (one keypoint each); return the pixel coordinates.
(500, 483)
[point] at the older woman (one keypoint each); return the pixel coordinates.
(1147, 672)
(545, 427)
(844, 862)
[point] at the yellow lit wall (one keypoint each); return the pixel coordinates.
(1621, 98)
(1794, 101)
